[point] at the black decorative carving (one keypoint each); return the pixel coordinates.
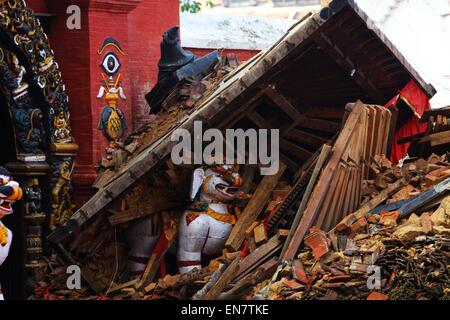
(34, 217)
(29, 129)
(175, 65)
(334, 6)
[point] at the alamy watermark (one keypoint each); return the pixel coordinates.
(241, 147)
(374, 279)
(74, 19)
(73, 281)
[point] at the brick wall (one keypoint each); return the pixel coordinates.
(146, 26)
(38, 5)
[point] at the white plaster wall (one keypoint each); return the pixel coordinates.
(231, 32)
(421, 31)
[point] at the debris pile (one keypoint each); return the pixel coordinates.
(375, 256)
(395, 234)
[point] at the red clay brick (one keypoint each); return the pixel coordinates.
(377, 296)
(389, 218)
(319, 243)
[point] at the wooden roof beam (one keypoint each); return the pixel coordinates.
(311, 123)
(348, 66)
(295, 150)
(306, 138)
(283, 103)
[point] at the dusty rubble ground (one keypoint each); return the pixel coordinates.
(412, 254)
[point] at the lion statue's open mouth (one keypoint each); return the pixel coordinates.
(10, 192)
(5, 207)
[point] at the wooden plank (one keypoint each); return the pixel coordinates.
(326, 205)
(306, 138)
(323, 112)
(434, 112)
(367, 142)
(282, 233)
(258, 255)
(319, 124)
(321, 189)
(370, 132)
(323, 156)
(346, 209)
(260, 234)
(250, 240)
(242, 111)
(211, 282)
(258, 120)
(392, 128)
(392, 206)
(382, 130)
(283, 103)
(224, 280)
(358, 146)
(437, 138)
(362, 163)
(347, 65)
(248, 176)
(248, 282)
(249, 231)
(337, 196)
(387, 130)
(354, 190)
(358, 197)
(341, 201)
(381, 197)
(253, 209)
(308, 164)
(152, 208)
(377, 140)
(119, 287)
(287, 208)
(413, 138)
(150, 271)
(161, 247)
(294, 166)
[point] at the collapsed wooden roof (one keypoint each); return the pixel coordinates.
(319, 64)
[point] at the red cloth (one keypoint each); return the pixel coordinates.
(419, 102)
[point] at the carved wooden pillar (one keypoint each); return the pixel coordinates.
(28, 175)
